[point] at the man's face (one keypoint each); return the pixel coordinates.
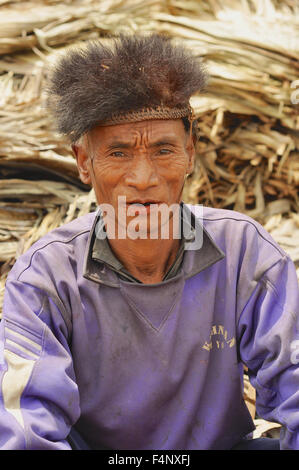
(144, 161)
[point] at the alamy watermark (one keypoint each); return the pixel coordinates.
(150, 221)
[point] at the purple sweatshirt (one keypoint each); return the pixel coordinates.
(139, 366)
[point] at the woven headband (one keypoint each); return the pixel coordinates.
(144, 114)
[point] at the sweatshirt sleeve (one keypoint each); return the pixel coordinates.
(268, 333)
(39, 400)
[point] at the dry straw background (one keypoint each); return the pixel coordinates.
(248, 153)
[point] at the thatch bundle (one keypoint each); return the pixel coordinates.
(247, 156)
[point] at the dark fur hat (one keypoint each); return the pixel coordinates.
(93, 84)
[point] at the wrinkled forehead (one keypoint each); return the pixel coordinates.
(146, 132)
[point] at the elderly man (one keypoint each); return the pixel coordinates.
(117, 341)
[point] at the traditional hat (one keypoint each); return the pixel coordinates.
(135, 78)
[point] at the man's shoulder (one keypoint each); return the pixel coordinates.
(56, 245)
(225, 225)
(214, 214)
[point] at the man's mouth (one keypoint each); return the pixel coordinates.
(142, 205)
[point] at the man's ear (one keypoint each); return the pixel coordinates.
(82, 159)
(191, 153)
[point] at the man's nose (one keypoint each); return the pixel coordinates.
(142, 173)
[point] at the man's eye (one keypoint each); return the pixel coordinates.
(164, 151)
(117, 154)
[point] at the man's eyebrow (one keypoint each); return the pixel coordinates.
(165, 141)
(118, 144)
